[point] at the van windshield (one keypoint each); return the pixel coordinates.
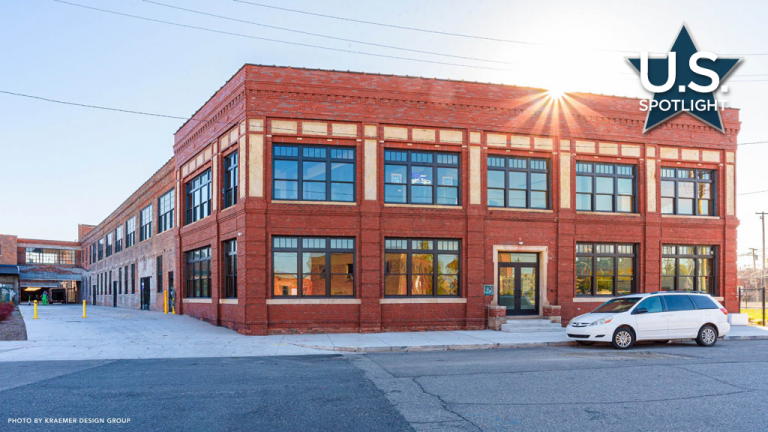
(617, 305)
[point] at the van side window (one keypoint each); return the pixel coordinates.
(703, 302)
(676, 303)
(653, 305)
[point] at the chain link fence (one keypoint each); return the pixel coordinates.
(752, 303)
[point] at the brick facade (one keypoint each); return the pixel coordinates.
(261, 106)
(142, 254)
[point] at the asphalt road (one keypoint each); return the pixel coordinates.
(651, 387)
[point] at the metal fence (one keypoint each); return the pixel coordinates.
(752, 303)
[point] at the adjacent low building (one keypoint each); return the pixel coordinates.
(309, 200)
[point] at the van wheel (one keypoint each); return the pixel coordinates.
(707, 336)
(585, 343)
(623, 338)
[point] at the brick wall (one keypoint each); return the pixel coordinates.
(8, 250)
(143, 254)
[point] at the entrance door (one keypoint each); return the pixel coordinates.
(519, 283)
(114, 294)
(145, 291)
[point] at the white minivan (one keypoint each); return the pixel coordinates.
(659, 316)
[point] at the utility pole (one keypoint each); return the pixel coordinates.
(754, 257)
(762, 273)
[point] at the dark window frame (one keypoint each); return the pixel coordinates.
(615, 176)
(231, 173)
(197, 208)
(200, 258)
(676, 255)
(109, 242)
(133, 278)
(159, 273)
(507, 169)
(145, 223)
(328, 160)
(409, 163)
(328, 250)
(409, 250)
(166, 207)
(594, 255)
(696, 180)
(119, 238)
(230, 268)
(130, 232)
(101, 248)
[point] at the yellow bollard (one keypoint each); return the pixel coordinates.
(35, 309)
(165, 298)
(84, 309)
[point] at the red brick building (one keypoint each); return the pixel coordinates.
(311, 200)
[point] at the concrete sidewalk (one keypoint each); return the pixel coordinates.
(110, 333)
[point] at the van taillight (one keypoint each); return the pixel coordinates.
(725, 312)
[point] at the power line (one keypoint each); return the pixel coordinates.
(753, 193)
(106, 108)
(445, 33)
(278, 40)
(127, 111)
(327, 36)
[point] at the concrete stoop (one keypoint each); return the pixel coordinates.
(539, 325)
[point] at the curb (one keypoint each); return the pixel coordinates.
(426, 348)
(756, 337)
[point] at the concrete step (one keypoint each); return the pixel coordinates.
(531, 326)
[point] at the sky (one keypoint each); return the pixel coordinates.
(61, 165)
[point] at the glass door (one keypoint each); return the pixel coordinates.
(518, 283)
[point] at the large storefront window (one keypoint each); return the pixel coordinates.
(605, 269)
(605, 187)
(421, 177)
(687, 191)
(307, 173)
(198, 273)
(51, 256)
(422, 267)
(688, 268)
(313, 267)
(518, 182)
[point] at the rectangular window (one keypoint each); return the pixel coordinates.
(518, 182)
(229, 193)
(199, 273)
(688, 268)
(199, 197)
(686, 191)
(130, 232)
(605, 269)
(50, 256)
(133, 278)
(93, 253)
(109, 244)
(125, 280)
(119, 238)
(313, 267)
(307, 173)
(422, 267)
(120, 281)
(230, 269)
(159, 273)
(421, 177)
(166, 206)
(605, 187)
(145, 230)
(101, 249)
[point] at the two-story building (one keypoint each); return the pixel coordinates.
(312, 200)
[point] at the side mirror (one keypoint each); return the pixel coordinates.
(641, 311)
